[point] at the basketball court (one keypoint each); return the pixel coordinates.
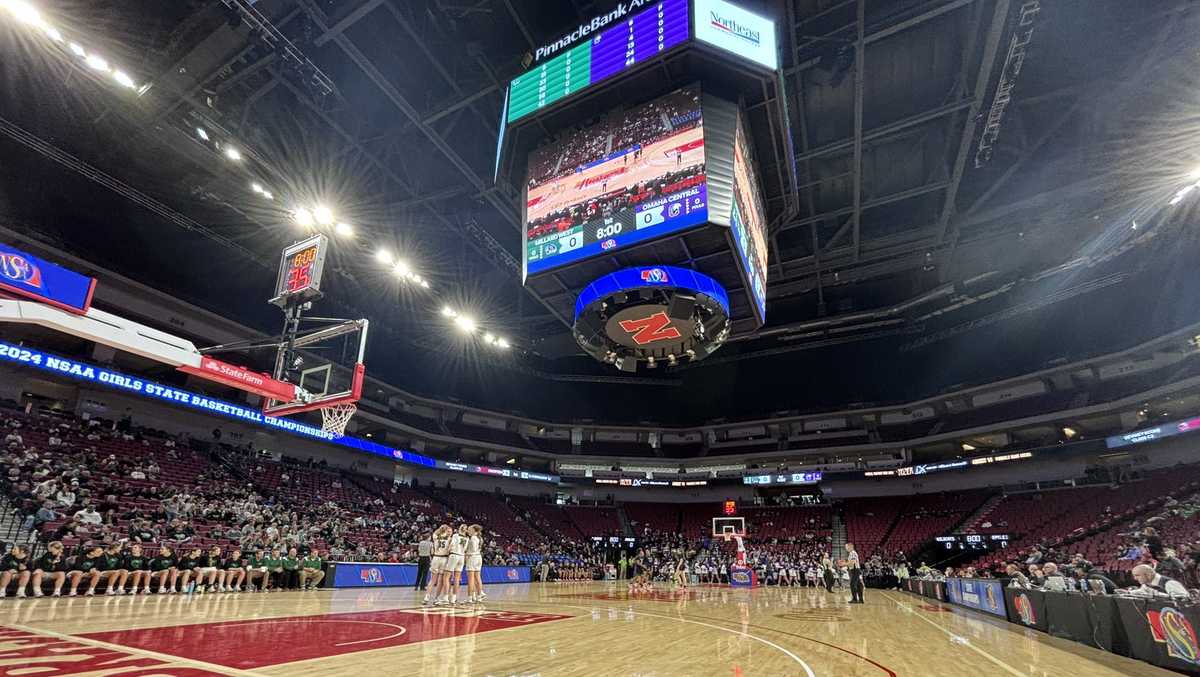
(533, 629)
(678, 151)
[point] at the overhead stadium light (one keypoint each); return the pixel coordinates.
(383, 256)
(267, 194)
(343, 229)
(323, 215)
(233, 153)
(303, 217)
(256, 187)
(25, 13)
(97, 63)
(402, 268)
(202, 134)
(448, 311)
(465, 323)
(488, 338)
(502, 342)
(77, 50)
(123, 79)
(425, 284)
(53, 34)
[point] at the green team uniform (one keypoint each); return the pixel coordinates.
(88, 563)
(291, 564)
(12, 563)
(311, 563)
(113, 562)
(275, 564)
(49, 562)
(162, 563)
(137, 563)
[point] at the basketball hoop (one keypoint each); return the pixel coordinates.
(335, 418)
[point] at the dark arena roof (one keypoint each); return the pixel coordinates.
(958, 193)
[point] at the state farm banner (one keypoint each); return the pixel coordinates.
(212, 369)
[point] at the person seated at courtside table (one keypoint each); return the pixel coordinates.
(1153, 583)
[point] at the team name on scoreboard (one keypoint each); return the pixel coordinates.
(595, 24)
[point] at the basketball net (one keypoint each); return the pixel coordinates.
(335, 418)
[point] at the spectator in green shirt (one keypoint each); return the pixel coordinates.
(258, 570)
(291, 570)
(312, 571)
(274, 564)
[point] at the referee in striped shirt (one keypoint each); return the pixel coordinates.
(856, 579)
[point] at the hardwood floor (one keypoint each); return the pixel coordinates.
(556, 629)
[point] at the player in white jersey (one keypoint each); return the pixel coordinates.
(441, 551)
(452, 575)
(474, 563)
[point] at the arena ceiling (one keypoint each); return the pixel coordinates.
(958, 160)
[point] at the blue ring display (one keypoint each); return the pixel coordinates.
(644, 277)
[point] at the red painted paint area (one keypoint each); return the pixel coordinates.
(933, 607)
(251, 644)
(26, 653)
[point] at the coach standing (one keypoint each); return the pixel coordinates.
(856, 579)
(424, 552)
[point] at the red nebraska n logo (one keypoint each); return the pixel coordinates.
(657, 327)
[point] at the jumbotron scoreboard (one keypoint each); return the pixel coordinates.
(642, 36)
(643, 138)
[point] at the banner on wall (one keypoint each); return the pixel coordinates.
(975, 593)
(382, 575)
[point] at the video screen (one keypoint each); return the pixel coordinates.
(749, 219)
(636, 176)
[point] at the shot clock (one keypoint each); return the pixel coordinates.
(300, 269)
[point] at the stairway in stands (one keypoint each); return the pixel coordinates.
(839, 533)
(977, 517)
(626, 529)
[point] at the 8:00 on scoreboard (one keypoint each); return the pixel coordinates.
(635, 40)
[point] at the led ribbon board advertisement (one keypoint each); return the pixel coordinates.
(1151, 434)
(735, 30)
(748, 220)
(791, 478)
(592, 57)
(638, 176)
(28, 276)
(83, 371)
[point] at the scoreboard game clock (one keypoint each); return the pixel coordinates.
(300, 270)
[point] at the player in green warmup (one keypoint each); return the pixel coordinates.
(113, 573)
(88, 564)
(138, 566)
(257, 570)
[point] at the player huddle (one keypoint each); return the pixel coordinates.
(454, 550)
(133, 570)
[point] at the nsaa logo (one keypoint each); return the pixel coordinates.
(655, 276)
(740, 576)
(20, 269)
(371, 576)
(608, 244)
(990, 593)
(512, 575)
(1169, 626)
(1025, 609)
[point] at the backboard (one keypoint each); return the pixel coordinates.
(733, 526)
(325, 363)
